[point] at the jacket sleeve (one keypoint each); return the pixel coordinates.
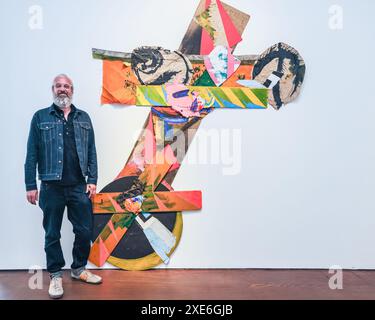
(92, 159)
(32, 155)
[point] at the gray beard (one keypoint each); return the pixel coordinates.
(62, 102)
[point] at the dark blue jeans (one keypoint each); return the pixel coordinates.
(52, 200)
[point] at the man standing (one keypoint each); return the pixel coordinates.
(61, 144)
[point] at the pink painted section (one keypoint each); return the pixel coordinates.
(207, 43)
(112, 228)
(193, 197)
(166, 184)
(169, 155)
(103, 252)
(231, 64)
(210, 68)
(233, 37)
(150, 143)
(116, 205)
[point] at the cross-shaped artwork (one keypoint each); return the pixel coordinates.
(137, 217)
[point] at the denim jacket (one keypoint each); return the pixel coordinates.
(45, 147)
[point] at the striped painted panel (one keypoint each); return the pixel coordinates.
(221, 97)
(154, 201)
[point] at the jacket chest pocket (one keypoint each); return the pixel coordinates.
(47, 131)
(84, 128)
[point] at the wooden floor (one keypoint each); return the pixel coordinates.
(232, 284)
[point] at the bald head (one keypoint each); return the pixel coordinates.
(62, 76)
(62, 90)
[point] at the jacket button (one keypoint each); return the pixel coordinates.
(59, 161)
(60, 148)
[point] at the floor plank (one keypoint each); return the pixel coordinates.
(210, 284)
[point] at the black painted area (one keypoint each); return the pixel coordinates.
(282, 53)
(134, 244)
(191, 43)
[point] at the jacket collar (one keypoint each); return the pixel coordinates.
(52, 110)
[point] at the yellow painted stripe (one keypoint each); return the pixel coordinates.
(214, 97)
(140, 99)
(159, 90)
(233, 98)
(205, 92)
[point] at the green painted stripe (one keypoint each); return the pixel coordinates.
(262, 95)
(151, 93)
(241, 95)
(219, 95)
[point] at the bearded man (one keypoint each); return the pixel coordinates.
(61, 144)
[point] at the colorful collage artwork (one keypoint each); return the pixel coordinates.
(138, 216)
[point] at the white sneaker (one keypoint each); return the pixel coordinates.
(56, 290)
(88, 277)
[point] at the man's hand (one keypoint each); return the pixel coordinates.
(91, 190)
(32, 196)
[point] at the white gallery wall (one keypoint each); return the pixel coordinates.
(303, 194)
